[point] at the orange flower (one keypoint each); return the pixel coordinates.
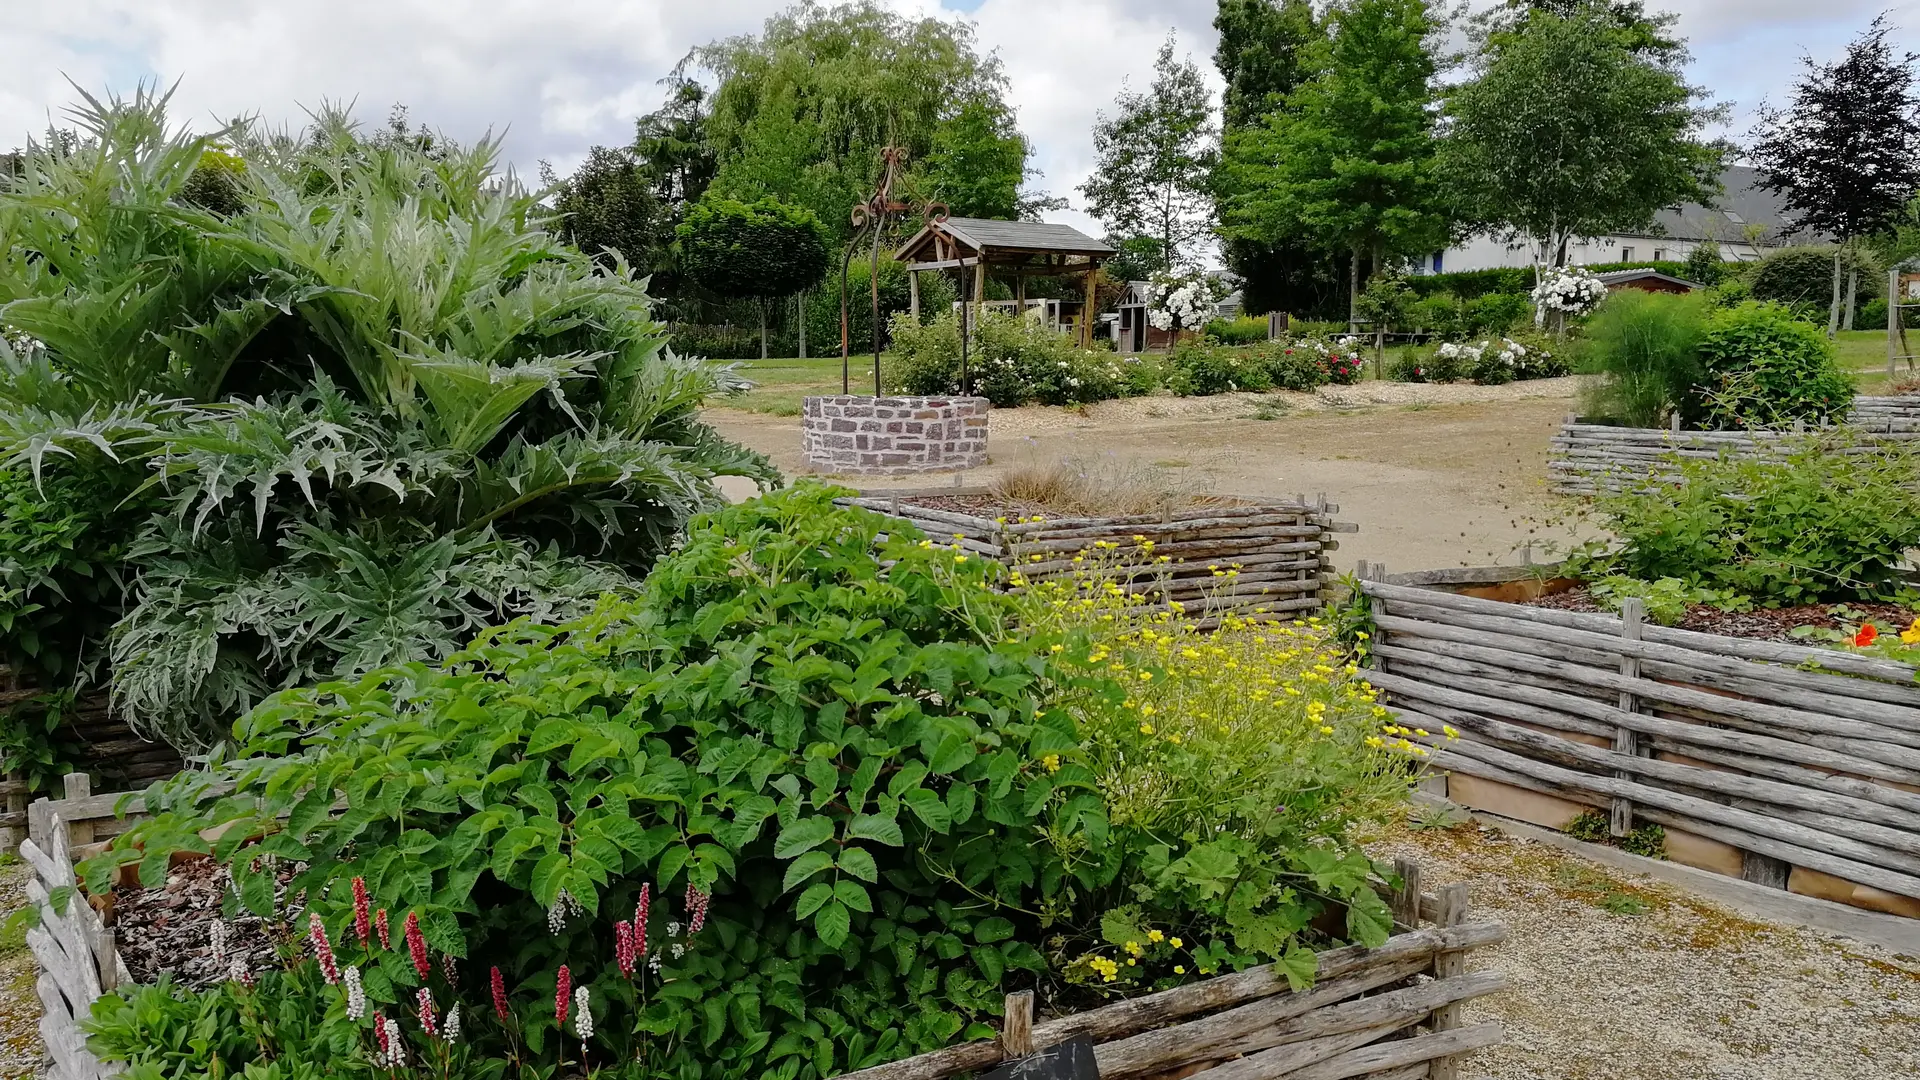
(1866, 636)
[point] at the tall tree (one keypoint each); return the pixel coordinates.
(1155, 154)
(608, 208)
(978, 161)
(758, 251)
(1350, 165)
(1573, 126)
(803, 109)
(1263, 58)
(1846, 154)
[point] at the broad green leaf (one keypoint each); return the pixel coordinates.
(817, 893)
(859, 863)
(804, 834)
(832, 922)
(805, 867)
(874, 827)
(852, 894)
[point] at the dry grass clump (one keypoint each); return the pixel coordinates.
(1904, 385)
(1105, 485)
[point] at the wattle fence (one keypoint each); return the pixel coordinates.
(1279, 548)
(1588, 458)
(1789, 765)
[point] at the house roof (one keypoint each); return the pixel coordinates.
(1741, 203)
(985, 234)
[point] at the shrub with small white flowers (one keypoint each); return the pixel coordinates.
(1569, 290)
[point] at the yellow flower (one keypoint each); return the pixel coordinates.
(1178, 944)
(1174, 738)
(1449, 732)
(1324, 730)
(959, 558)
(1035, 558)
(1374, 741)
(1156, 936)
(1422, 732)
(1178, 970)
(1911, 635)
(1146, 729)
(1052, 762)
(1057, 648)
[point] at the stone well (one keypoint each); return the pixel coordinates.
(893, 436)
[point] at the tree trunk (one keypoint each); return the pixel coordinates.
(1379, 323)
(1853, 292)
(1833, 312)
(800, 310)
(1353, 290)
(763, 328)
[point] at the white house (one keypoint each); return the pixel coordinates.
(1746, 221)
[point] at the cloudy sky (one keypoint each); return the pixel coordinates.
(561, 75)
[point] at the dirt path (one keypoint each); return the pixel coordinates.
(20, 1047)
(1618, 976)
(1430, 485)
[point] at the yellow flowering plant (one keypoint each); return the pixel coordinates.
(1238, 753)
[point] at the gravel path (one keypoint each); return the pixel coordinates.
(1618, 976)
(20, 1048)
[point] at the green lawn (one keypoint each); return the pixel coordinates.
(1864, 354)
(783, 382)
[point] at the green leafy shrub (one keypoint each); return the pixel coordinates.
(1197, 370)
(1447, 362)
(1642, 350)
(1245, 330)
(1011, 362)
(1818, 524)
(1596, 827)
(1764, 368)
(1802, 277)
(1440, 314)
(730, 342)
(1667, 599)
(1704, 265)
(1496, 313)
(883, 804)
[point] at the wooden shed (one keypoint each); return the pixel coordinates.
(1648, 280)
(977, 247)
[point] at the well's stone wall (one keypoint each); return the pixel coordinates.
(894, 435)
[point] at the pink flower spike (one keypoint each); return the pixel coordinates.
(417, 946)
(322, 950)
(640, 920)
(696, 909)
(380, 924)
(427, 1021)
(362, 925)
(499, 994)
(562, 995)
(623, 953)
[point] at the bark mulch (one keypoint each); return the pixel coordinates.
(169, 930)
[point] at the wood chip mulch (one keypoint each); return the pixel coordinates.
(1760, 624)
(170, 929)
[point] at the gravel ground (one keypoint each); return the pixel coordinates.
(1619, 976)
(20, 1047)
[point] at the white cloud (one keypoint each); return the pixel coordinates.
(560, 75)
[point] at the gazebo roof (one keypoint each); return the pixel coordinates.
(987, 236)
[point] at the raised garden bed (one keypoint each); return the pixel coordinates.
(1790, 765)
(1588, 458)
(1389, 1013)
(1760, 624)
(1279, 547)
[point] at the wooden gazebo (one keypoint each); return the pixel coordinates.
(1019, 249)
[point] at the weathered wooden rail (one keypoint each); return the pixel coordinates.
(1793, 766)
(1589, 458)
(1391, 1013)
(1279, 548)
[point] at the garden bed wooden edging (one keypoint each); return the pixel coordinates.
(1280, 547)
(1390, 1013)
(1590, 458)
(1788, 765)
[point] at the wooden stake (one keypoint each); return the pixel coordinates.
(1447, 965)
(1406, 898)
(1016, 1034)
(1633, 613)
(79, 785)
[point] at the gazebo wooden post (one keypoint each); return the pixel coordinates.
(913, 294)
(980, 289)
(1086, 313)
(1020, 293)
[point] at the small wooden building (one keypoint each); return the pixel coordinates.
(979, 247)
(1648, 280)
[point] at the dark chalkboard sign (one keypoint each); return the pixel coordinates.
(1070, 1060)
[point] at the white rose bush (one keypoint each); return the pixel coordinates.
(1569, 290)
(1179, 302)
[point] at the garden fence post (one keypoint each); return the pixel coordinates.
(1016, 1033)
(1895, 321)
(1632, 615)
(1405, 902)
(1376, 572)
(78, 785)
(1447, 965)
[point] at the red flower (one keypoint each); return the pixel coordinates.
(1866, 636)
(380, 1032)
(361, 924)
(696, 909)
(499, 994)
(562, 995)
(380, 924)
(417, 945)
